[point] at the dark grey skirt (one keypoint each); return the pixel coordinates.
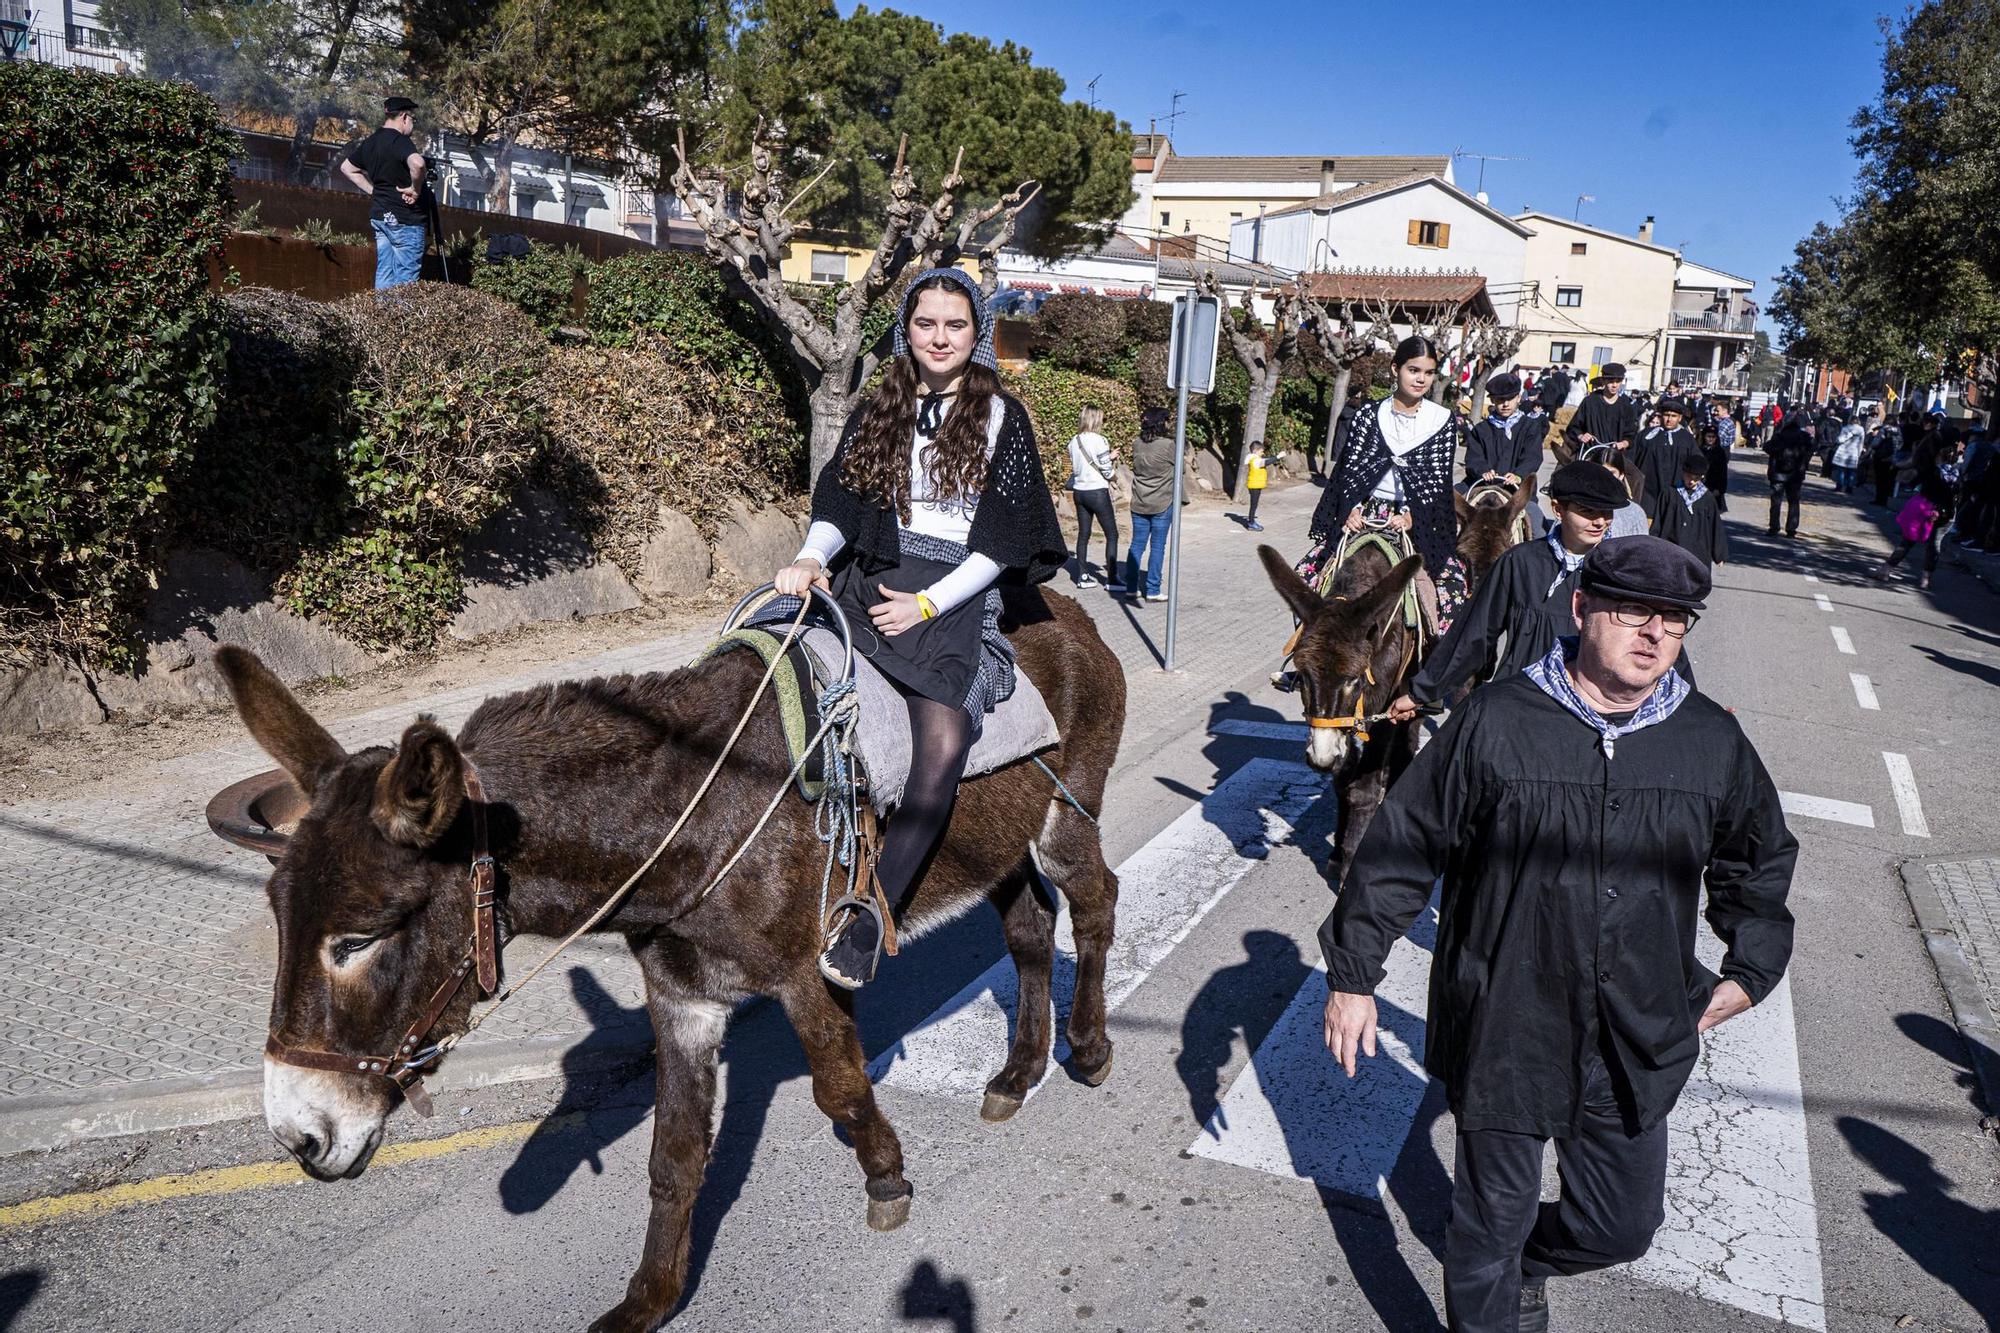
(959, 657)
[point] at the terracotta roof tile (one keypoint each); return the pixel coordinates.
(1298, 170)
(1399, 289)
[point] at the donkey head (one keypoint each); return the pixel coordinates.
(372, 909)
(1350, 647)
(1487, 524)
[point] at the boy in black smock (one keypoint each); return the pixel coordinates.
(1507, 445)
(1691, 517)
(1659, 452)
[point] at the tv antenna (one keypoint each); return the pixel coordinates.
(1581, 200)
(1484, 158)
(1174, 115)
(1092, 86)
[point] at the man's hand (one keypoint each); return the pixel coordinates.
(1724, 1003)
(1350, 1027)
(409, 193)
(896, 614)
(1489, 474)
(1513, 479)
(1355, 522)
(794, 579)
(1402, 709)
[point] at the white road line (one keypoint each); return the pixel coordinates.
(1904, 780)
(1820, 601)
(1263, 731)
(1812, 578)
(1864, 692)
(1841, 641)
(1165, 889)
(1821, 807)
(1741, 1225)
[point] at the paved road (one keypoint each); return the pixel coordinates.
(1829, 1168)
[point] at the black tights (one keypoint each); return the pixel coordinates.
(940, 738)
(1096, 504)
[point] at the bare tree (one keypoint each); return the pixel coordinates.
(1343, 344)
(1487, 345)
(837, 358)
(1264, 358)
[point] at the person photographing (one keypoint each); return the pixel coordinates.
(387, 167)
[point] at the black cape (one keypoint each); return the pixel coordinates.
(1699, 531)
(1490, 449)
(1571, 883)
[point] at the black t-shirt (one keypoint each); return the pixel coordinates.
(384, 156)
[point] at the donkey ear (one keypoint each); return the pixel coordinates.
(419, 792)
(1464, 508)
(1305, 603)
(276, 720)
(1375, 607)
(1522, 494)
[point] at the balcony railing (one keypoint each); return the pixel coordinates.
(1715, 323)
(52, 48)
(1702, 379)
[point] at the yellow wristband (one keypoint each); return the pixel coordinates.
(926, 608)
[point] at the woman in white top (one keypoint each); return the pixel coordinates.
(1091, 467)
(935, 495)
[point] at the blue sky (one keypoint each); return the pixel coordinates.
(1727, 121)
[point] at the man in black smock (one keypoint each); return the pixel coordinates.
(1572, 813)
(1605, 417)
(1522, 606)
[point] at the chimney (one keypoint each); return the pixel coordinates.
(1646, 229)
(1328, 174)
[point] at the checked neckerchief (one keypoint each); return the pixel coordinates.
(1566, 564)
(1552, 674)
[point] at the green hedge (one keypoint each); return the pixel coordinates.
(1054, 395)
(113, 197)
(542, 282)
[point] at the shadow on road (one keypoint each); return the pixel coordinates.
(1965, 666)
(1245, 997)
(1948, 1043)
(928, 1298)
(17, 1292)
(1951, 1240)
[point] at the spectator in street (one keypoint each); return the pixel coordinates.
(1725, 425)
(1152, 503)
(1554, 393)
(387, 167)
(1091, 469)
(1256, 476)
(1883, 438)
(1791, 453)
(1569, 816)
(1691, 518)
(1927, 514)
(1848, 448)
(1606, 416)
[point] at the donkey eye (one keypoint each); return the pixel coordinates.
(348, 947)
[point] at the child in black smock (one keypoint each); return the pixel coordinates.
(1690, 515)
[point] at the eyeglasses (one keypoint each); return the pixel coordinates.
(1677, 621)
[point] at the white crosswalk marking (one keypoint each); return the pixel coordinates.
(1165, 889)
(1903, 781)
(1741, 1227)
(1823, 807)
(1821, 601)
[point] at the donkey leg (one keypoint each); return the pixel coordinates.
(824, 1020)
(1359, 798)
(1030, 925)
(688, 1029)
(1072, 853)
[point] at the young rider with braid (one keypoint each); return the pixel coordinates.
(935, 496)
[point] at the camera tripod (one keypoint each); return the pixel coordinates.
(433, 220)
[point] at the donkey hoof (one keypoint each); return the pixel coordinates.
(999, 1106)
(888, 1214)
(1094, 1077)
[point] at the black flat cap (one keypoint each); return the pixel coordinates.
(396, 106)
(1611, 370)
(1504, 385)
(1672, 404)
(1646, 569)
(1589, 484)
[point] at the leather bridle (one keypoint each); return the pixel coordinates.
(405, 1066)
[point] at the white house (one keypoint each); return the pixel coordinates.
(1416, 223)
(1129, 270)
(1711, 329)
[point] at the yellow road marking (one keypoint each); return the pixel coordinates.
(259, 1175)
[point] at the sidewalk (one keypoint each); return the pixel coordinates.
(137, 950)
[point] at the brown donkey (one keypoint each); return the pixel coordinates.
(1490, 522)
(580, 781)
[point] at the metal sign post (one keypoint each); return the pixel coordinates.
(1190, 366)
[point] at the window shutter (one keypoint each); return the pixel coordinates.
(1416, 231)
(1444, 235)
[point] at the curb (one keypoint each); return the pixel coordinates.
(59, 1120)
(1962, 990)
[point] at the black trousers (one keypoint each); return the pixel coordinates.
(1787, 489)
(1885, 481)
(1096, 504)
(1614, 1186)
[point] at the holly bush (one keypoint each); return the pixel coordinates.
(113, 197)
(1054, 395)
(541, 282)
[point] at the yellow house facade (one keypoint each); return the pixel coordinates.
(1594, 296)
(831, 260)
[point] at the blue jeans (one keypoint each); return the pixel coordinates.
(399, 251)
(1149, 531)
(1843, 479)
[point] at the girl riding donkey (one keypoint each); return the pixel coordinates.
(935, 495)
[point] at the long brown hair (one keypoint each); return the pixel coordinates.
(877, 461)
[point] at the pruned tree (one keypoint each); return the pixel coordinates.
(1342, 344)
(1486, 345)
(1264, 356)
(837, 357)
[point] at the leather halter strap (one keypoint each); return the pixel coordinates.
(406, 1065)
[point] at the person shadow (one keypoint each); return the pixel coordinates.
(17, 1293)
(1949, 1238)
(1246, 997)
(585, 1120)
(1946, 1042)
(928, 1298)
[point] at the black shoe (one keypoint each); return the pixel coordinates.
(853, 948)
(1534, 1306)
(1771, 532)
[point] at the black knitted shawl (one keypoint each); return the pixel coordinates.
(1426, 473)
(1014, 525)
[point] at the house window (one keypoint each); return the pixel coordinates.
(829, 266)
(1166, 220)
(1562, 353)
(1579, 247)
(1235, 217)
(1430, 235)
(1569, 296)
(1600, 355)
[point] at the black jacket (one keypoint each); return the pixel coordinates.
(1697, 531)
(1488, 448)
(1570, 888)
(1608, 422)
(1015, 524)
(1791, 451)
(1426, 475)
(1554, 391)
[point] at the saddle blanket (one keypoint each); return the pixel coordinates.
(1019, 727)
